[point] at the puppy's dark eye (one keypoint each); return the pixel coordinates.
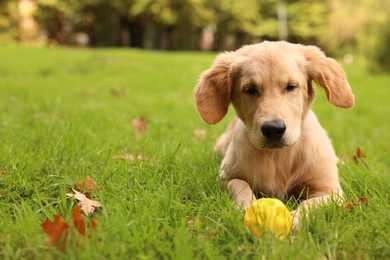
(251, 90)
(290, 87)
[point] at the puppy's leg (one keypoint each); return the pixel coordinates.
(310, 204)
(241, 193)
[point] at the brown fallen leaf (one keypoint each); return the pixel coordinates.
(119, 92)
(57, 231)
(87, 186)
(94, 223)
(350, 205)
(78, 220)
(130, 157)
(363, 200)
(86, 205)
(115, 92)
(359, 156)
(195, 221)
(127, 156)
(139, 125)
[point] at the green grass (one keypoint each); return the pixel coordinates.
(64, 114)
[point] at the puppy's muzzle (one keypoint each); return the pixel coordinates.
(273, 130)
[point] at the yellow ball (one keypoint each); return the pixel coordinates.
(268, 216)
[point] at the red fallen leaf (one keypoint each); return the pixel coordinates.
(87, 205)
(351, 204)
(363, 200)
(358, 156)
(94, 223)
(78, 220)
(57, 231)
(87, 186)
(139, 125)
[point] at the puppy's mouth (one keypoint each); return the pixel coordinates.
(276, 144)
(262, 144)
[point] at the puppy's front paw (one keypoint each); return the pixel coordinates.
(296, 219)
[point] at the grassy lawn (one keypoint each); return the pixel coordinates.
(65, 114)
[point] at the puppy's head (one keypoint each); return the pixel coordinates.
(270, 87)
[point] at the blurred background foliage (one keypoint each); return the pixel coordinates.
(340, 27)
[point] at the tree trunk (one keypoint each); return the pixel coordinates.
(137, 32)
(28, 27)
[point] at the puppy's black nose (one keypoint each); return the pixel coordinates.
(273, 130)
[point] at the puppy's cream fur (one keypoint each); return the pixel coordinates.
(266, 82)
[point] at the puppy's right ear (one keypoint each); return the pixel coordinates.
(212, 93)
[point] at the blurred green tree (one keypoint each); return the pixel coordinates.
(168, 24)
(8, 19)
(338, 26)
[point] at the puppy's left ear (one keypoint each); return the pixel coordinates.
(212, 93)
(330, 76)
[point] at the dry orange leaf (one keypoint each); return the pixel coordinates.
(87, 186)
(363, 200)
(351, 204)
(57, 231)
(94, 223)
(78, 220)
(86, 205)
(359, 156)
(119, 92)
(130, 157)
(195, 221)
(139, 125)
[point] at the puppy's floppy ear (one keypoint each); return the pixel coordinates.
(212, 93)
(330, 76)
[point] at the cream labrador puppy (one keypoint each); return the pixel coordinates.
(275, 145)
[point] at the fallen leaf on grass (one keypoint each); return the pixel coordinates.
(363, 200)
(94, 223)
(57, 231)
(87, 205)
(359, 156)
(78, 220)
(139, 125)
(351, 204)
(195, 221)
(87, 186)
(119, 92)
(130, 157)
